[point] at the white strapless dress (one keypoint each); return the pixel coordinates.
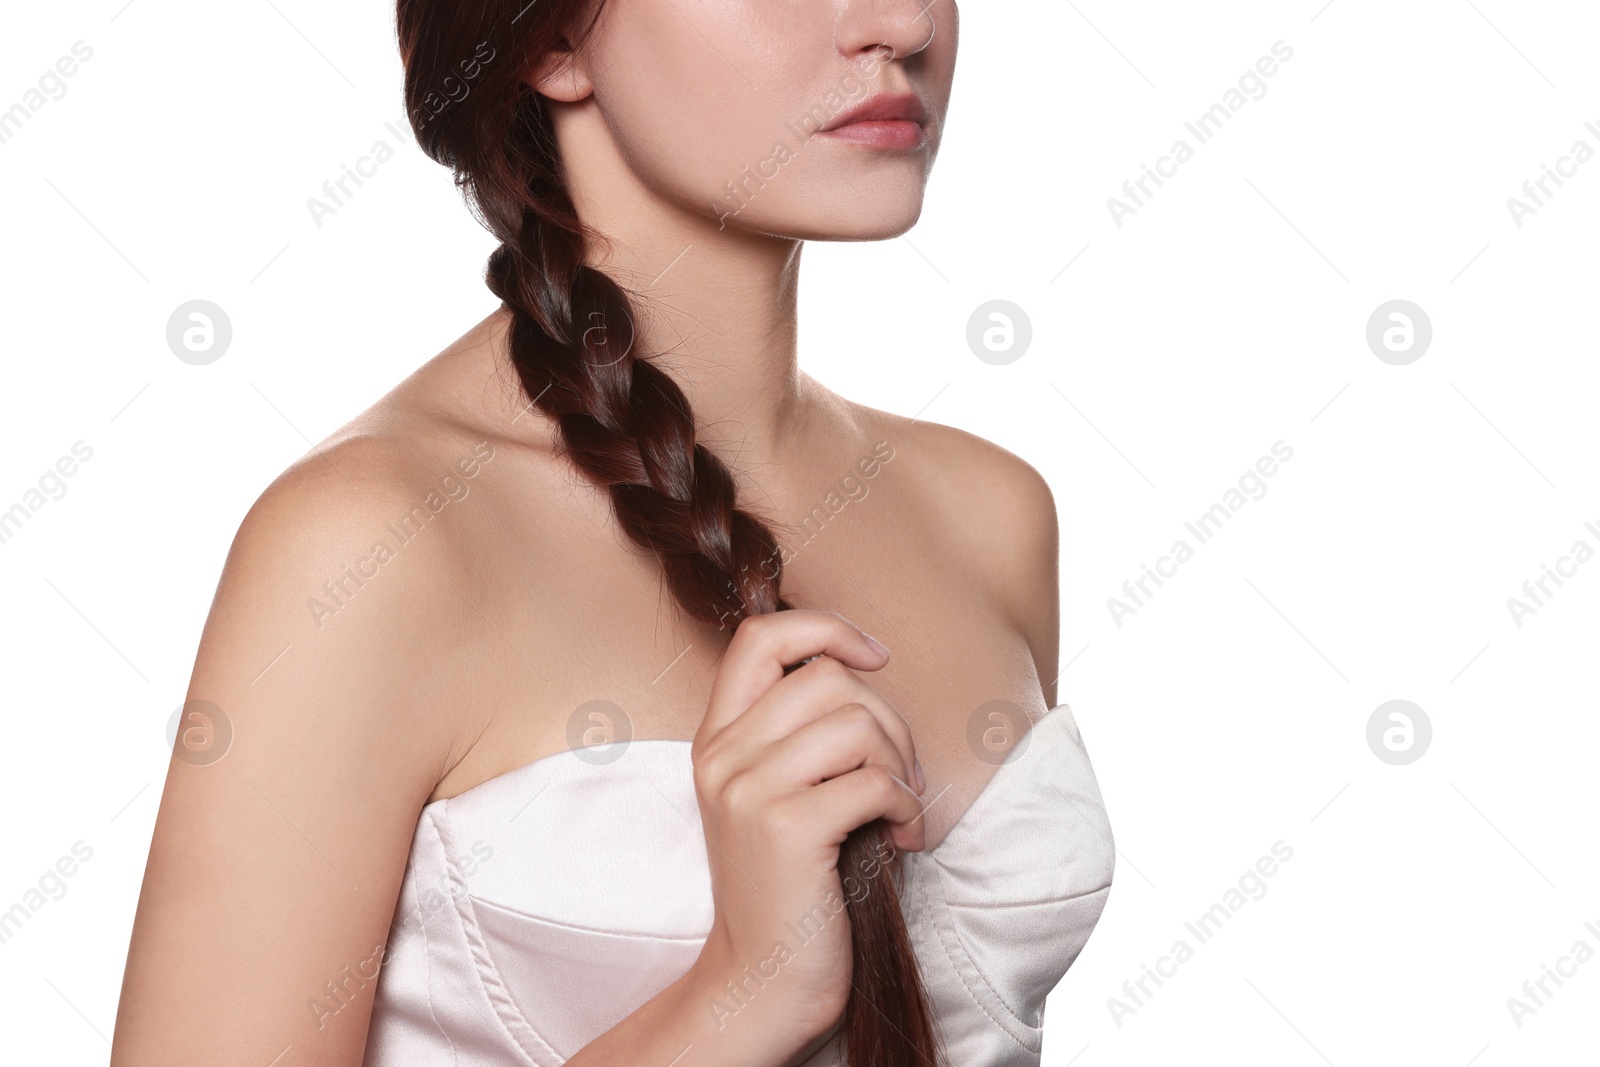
(542, 907)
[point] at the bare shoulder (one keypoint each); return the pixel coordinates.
(322, 535)
(381, 486)
(364, 558)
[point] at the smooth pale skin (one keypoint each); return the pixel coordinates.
(463, 656)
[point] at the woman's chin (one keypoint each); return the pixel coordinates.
(874, 221)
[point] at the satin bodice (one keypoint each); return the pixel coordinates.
(542, 907)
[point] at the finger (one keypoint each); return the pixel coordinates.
(854, 799)
(810, 693)
(763, 645)
(839, 742)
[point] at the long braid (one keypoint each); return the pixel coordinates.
(626, 425)
(624, 422)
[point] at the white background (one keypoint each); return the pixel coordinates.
(1228, 313)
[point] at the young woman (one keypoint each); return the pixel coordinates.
(536, 719)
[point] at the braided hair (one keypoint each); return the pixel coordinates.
(622, 421)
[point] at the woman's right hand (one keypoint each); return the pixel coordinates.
(785, 766)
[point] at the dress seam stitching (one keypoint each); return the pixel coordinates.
(488, 974)
(939, 929)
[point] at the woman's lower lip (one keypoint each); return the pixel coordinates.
(880, 133)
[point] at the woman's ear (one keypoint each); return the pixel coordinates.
(561, 74)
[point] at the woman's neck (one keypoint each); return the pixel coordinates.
(718, 305)
(717, 311)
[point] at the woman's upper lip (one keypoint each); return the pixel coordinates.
(883, 106)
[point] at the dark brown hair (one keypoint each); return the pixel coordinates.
(622, 420)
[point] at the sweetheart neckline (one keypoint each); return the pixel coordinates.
(677, 743)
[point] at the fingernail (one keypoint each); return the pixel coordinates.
(916, 769)
(876, 644)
